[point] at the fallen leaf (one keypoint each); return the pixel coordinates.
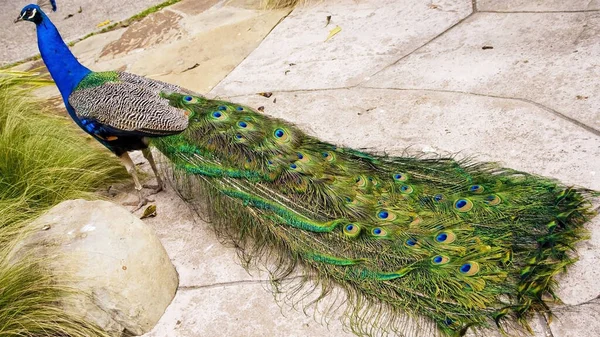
(261, 108)
(334, 31)
(104, 23)
(487, 47)
(274, 100)
(192, 67)
(328, 20)
(434, 6)
(286, 72)
(580, 97)
(265, 94)
(149, 212)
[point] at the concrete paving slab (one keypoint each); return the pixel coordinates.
(581, 321)
(547, 58)
(238, 309)
(19, 39)
(537, 5)
(198, 256)
(374, 34)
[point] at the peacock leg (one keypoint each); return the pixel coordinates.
(130, 166)
(159, 183)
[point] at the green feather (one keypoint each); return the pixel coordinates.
(460, 244)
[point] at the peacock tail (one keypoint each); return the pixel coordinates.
(456, 243)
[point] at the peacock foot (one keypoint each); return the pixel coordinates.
(142, 201)
(155, 188)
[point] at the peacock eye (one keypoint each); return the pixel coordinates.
(476, 189)
(463, 205)
(445, 237)
(378, 231)
(406, 189)
(469, 268)
(492, 200)
(440, 259)
(188, 98)
(352, 230)
(400, 177)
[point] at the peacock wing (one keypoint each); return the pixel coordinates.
(124, 104)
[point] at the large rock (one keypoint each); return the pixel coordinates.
(122, 270)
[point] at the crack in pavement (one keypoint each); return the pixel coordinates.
(233, 283)
(524, 100)
(421, 46)
(547, 327)
(250, 53)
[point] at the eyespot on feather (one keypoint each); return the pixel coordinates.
(440, 260)
(281, 135)
(400, 177)
(463, 205)
(190, 99)
(406, 189)
(469, 269)
(438, 198)
(218, 115)
(361, 181)
(477, 189)
(352, 230)
(378, 232)
(303, 157)
(411, 243)
(386, 215)
(492, 200)
(445, 237)
(328, 156)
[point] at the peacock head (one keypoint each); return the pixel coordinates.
(34, 13)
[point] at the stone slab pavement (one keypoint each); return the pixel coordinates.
(19, 40)
(512, 81)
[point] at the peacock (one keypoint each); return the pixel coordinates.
(453, 245)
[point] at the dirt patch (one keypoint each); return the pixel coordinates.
(151, 31)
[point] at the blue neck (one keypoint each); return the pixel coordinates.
(64, 68)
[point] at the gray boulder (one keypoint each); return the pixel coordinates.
(124, 275)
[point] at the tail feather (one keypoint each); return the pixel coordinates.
(456, 244)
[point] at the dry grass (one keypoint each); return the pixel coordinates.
(43, 160)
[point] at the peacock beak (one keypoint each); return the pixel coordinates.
(20, 18)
